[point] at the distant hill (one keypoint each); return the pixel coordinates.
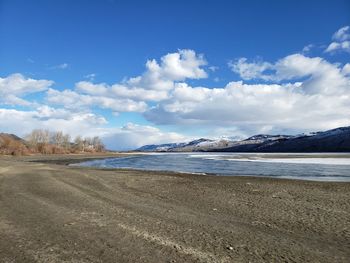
(12, 145)
(196, 145)
(4, 136)
(335, 140)
(159, 147)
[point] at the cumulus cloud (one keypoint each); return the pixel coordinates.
(178, 66)
(293, 94)
(342, 34)
(132, 136)
(14, 87)
(317, 75)
(346, 69)
(156, 81)
(130, 95)
(250, 70)
(341, 41)
(334, 46)
(121, 91)
(45, 117)
(242, 105)
(83, 123)
(307, 94)
(75, 106)
(73, 100)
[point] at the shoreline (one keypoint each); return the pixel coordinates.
(76, 159)
(53, 212)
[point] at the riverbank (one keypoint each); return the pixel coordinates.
(51, 212)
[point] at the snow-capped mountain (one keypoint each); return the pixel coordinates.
(159, 147)
(185, 146)
(335, 140)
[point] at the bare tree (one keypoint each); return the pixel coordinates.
(33, 138)
(88, 146)
(44, 141)
(79, 144)
(38, 139)
(97, 144)
(66, 142)
(44, 136)
(57, 138)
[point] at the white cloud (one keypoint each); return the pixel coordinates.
(121, 91)
(17, 84)
(76, 117)
(308, 48)
(75, 123)
(346, 69)
(342, 34)
(132, 136)
(317, 75)
(14, 87)
(139, 93)
(74, 100)
(90, 77)
(296, 93)
(334, 46)
(179, 66)
(87, 87)
(184, 64)
(250, 70)
(156, 81)
(128, 137)
(341, 41)
(316, 97)
(254, 106)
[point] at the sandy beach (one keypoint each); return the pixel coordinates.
(52, 212)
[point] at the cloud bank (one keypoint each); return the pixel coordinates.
(295, 93)
(14, 87)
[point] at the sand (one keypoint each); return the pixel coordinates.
(50, 212)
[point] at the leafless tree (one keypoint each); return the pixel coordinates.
(57, 138)
(97, 144)
(66, 142)
(79, 144)
(38, 138)
(47, 142)
(87, 144)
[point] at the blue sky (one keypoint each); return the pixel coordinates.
(220, 68)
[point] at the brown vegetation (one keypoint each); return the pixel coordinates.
(46, 142)
(12, 145)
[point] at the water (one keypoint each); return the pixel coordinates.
(318, 167)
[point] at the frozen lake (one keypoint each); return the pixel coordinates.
(305, 166)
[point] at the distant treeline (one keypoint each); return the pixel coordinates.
(48, 142)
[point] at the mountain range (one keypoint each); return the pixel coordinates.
(335, 140)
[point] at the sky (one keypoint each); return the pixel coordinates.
(145, 72)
